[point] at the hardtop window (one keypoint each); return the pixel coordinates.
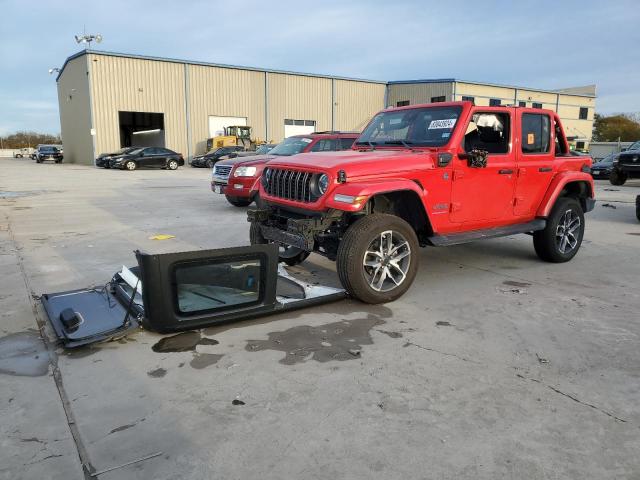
(430, 126)
(536, 133)
(489, 131)
(218, 285)
(291, 146)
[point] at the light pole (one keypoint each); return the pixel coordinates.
(54, 70)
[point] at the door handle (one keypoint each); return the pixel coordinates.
(505, 171)
(545, 169)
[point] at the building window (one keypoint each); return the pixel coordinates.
(402, 103)
(584, 113)
(469, 99)
(522, 104)
(495, 102)
(580, 146)
(308, 123)
(536, 105)
(438, 99)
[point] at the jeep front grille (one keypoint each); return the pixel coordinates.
(289, 184)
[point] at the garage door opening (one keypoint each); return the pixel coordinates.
(298, 127)
(141, 129)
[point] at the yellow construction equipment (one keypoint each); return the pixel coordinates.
(234, 135)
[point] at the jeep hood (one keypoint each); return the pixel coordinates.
(358, 163)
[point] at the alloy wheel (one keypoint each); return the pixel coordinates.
(567, 232)
(386, 261)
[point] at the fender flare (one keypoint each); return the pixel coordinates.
(558, 183)
(363, 191)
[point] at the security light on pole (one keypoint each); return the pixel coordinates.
(87, 39)
(54, 70)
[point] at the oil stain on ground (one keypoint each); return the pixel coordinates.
(203, 360)
(23, 354)
(338, 341)
(182, 342)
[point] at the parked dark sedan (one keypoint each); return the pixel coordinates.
(48, 152)
(104, 158)
(210, 158)
(151, 157)
(602, 169)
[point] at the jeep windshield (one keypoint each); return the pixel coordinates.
(421, 127)
(291, 146)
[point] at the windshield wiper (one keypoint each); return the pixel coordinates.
(398, 142)
(371, 144)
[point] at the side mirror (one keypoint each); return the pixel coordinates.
(476, 158)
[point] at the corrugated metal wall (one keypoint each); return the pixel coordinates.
(128, 84)
(356, 103)
(297, 97)
(75, 112)
(226, 92)
(417, 93)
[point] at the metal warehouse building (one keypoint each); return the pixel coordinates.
(110, 100)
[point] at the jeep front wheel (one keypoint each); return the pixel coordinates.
(617, 178)
(378, 258)
(561, 238)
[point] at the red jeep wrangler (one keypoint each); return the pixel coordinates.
(437, 174)
(238, 178)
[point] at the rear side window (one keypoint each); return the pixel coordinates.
(346, 143)
(325, 145)
(536, 133)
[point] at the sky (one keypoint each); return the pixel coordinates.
(540, 44)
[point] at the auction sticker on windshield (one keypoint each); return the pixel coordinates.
(446, 123)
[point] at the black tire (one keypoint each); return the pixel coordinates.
(549, 242)
(130, 165)
(172, 164)
(210, 163)
(38, 160)
(290, 255)
(617, 177)
(638, 207)
(239, 201)
(358, 278)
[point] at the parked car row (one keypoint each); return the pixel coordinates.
(237, 178)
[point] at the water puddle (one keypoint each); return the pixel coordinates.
(23, 354)
(337, 341)
(182, 342)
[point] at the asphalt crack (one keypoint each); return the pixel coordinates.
(440, 352)
(571, 397)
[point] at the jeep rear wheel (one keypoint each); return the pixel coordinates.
(287, 254)
(561, 238)
(378, 258)
(638, 207)
(617, 178)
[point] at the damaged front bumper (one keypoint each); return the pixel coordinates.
(181, 291)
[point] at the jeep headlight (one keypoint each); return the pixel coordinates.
(323, 183)
(245, 172)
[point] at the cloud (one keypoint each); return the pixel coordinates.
(544, 44)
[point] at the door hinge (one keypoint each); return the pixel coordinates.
(522, 171)
(457, 174)
(455, 207)
(517, 201)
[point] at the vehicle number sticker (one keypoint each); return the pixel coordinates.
(306, 140)
(531, 138)
(438, 124)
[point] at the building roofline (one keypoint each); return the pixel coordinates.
(560, 91)
(209, 64)
(315, 75)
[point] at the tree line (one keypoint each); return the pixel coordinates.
(28, 139)
(614, 128)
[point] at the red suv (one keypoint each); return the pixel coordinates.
(238, 178)
(437, 174)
